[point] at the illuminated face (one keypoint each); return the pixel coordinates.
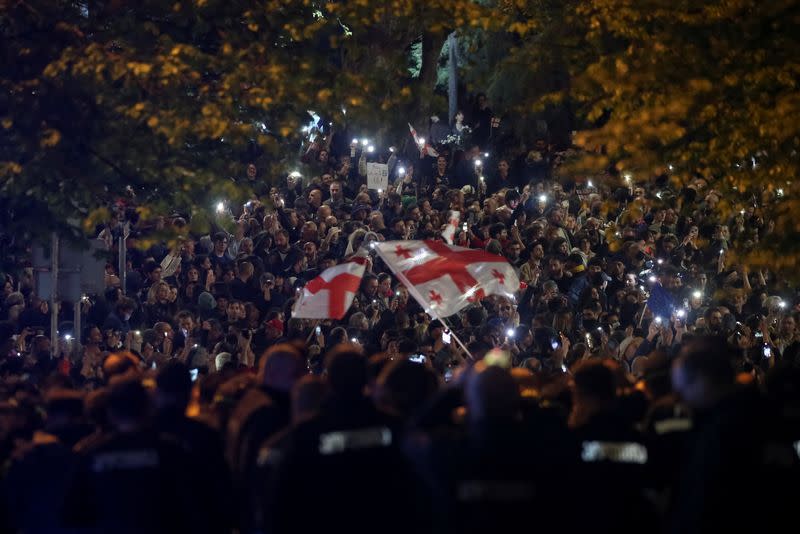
(251, 171)
(162, 293)
(186, 323)
(386, 286)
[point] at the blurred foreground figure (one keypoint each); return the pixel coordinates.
(741, 473)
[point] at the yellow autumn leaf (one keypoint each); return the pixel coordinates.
(50, 138)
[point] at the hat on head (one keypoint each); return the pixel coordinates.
(206, 304)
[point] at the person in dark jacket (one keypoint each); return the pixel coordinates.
(347, 461)
(134, 480)
(739, 453)
(261, 413)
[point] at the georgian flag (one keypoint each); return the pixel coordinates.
(445, 278)
(425, 148)
(330, 295)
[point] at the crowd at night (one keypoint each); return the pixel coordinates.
(639, 380)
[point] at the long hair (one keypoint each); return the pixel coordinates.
(153, 292)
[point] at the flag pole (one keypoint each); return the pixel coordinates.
(641, 317)
(453, 334)
(414, 293)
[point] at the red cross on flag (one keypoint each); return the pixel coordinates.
(445, 278)
(330, 295)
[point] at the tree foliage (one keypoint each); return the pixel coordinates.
(693, 89)
(172, 99)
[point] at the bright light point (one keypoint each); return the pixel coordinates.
(590, 184)
(421, 141)
(782, 304)
(658, 320)
(478, 163)
(480, 178)
(355, 141)
(380, 190)
(697, 294)
(780, 192)
(373, 244)
(658, 194)
(370, 149)
(628, 176)
(681, 314)
(485, 154)
(542, 198)
(510, 332)
(660, 261)
(741, 212)
(353, 340)
(365, 142)
(652, 279)
(401, 171)
(721, 252)
(670, 167)
(220, 207)
(67, 337)
(391, 149)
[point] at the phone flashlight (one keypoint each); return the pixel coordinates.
(681, 314)
(318, 330)
(510, 333)
(658, 320)
(446, 337)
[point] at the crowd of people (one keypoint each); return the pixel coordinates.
(192, 401)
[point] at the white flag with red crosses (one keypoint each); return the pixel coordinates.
(330, 295)
(445, 278)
